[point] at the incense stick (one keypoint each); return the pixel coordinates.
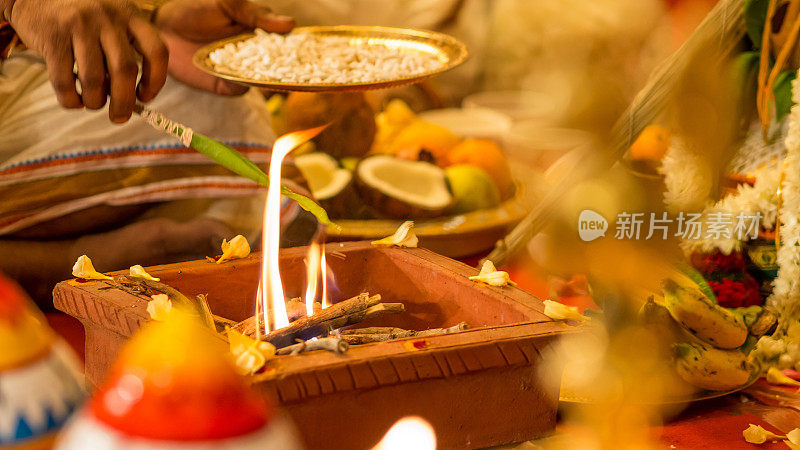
(719, 34)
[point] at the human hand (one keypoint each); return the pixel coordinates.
(103, 37)
(187, 25)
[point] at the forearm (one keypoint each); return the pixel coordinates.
(37, 266)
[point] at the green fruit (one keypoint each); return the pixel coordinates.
(472, 188)
(349, 163)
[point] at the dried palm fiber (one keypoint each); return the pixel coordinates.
(718, 35)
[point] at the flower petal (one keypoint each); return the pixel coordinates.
(138, 271)
(236, 248)
(84, 268)
(755, 434)
(159, 307)
(403, 237)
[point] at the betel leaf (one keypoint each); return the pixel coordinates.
(755, 15)
(239, 164)
(744, 73)
(783, 93)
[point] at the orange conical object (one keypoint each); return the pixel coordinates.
(24, 337)
(174, 383)
(40, 383)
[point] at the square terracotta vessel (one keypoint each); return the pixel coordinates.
(489, 385)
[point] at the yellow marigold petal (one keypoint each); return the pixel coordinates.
(559, 311)
(159, 307)
(249, 354)
(776, 376)
(755, 434)
(236, 248)
(490, 275)
(84, 268)
(794, 436)
(139, 272)
(403, 237)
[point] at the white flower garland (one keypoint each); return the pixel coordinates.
(680, 170)
(786, 293)
(687, 177)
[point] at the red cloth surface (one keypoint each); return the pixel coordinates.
(714, 430)
(70, 329)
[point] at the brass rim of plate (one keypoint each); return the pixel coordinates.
(448, 49)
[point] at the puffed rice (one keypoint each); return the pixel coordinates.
(315, 59)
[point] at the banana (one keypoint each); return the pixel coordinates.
(711, 368)
(657, 319)
(708, 321)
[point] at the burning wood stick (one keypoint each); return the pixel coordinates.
(347, 312)
(296, 308)
(379, 334)
(331, 344)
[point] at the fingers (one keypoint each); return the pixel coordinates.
(91, 71)
(122, 72)
(181, 68)
(59, 63)
(275, 23)
(255, 16)
(155, 58)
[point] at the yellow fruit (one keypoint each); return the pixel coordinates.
(703, 318)
(398, 112)
(396, 116)
(652, 144)
(423, 135)
(711, 368)
(486, 155)
(472, 188)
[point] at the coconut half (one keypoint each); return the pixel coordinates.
(330, 184)
(324, 176)
(403, 189)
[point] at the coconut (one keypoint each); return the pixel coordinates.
(403, 189)
(330, 184)
(350, 117)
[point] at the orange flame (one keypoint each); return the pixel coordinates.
(312, 275)
(316, 267)
(409, 432)
(324, 267)
(270, 292)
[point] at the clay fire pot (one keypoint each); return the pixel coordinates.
(492, 384)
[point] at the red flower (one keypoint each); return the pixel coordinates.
(735, 294)
(717, 261)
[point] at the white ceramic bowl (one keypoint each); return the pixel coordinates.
(517, 105)
(539, 147)
(470, 123)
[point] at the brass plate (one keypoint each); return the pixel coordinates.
(586, 398)
(447, 49)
